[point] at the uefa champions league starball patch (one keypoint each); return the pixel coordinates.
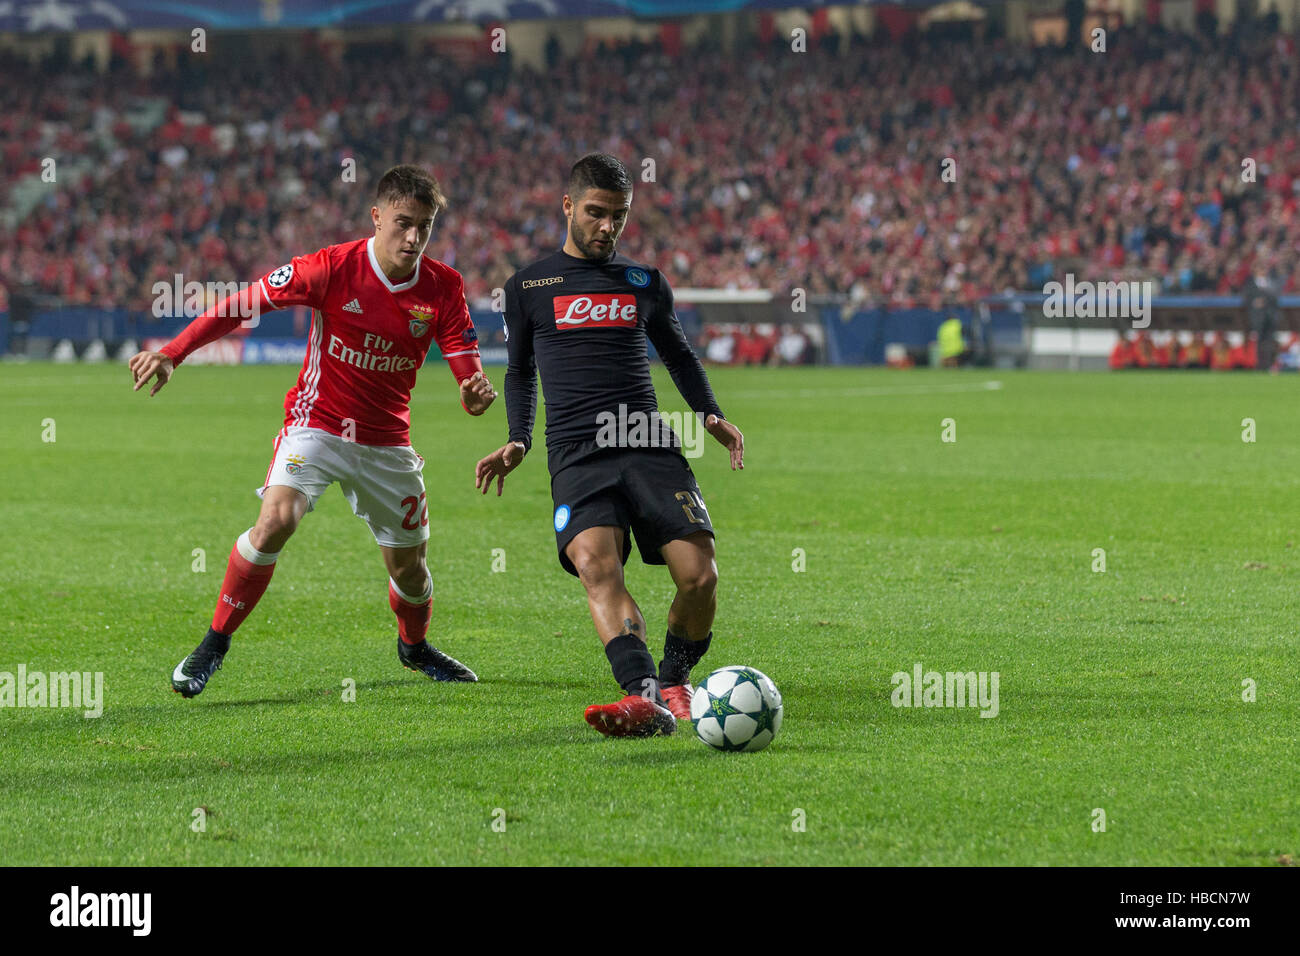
(638, 277)
(561, 517)
(281, 276)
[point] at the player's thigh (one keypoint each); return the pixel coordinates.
(665, 501)
(587, 497)
(597, 555)
(306, 460)
(385, 487)
(692, 562)
(282, 509)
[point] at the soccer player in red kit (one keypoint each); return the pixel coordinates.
(378, 304)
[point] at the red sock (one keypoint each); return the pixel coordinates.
(412, 619)
(243, 587)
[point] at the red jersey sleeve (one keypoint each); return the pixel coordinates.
(301, 281)
(455, 333)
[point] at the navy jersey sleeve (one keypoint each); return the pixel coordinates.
(665, 333)
(521, 369)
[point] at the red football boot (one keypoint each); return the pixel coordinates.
(633, 716)
(678, 699)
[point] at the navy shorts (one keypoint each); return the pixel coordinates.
(650, 492)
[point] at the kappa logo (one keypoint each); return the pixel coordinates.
(281, 276)
(534, 283)
(594, 311)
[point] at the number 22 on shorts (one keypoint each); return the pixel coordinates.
(412, 504)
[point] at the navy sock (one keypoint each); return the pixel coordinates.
(680, 655)
(633, 667)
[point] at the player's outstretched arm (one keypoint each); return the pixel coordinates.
(497, 465)
(729, 436)
(477, 393)
(665, 333)
(145, 365)
(219, 320)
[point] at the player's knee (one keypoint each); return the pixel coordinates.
(277, 522)
(274, 527)
(702, 584)
(597, 570)
(411, 576)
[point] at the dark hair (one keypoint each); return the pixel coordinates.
(410, 182)
(598, 171)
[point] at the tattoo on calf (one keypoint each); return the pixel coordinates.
(631, 627)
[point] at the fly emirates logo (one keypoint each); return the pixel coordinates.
(368, 360)
(594, 311)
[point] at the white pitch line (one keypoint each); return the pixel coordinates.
(870, 391)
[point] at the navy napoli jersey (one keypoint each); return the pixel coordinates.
(583, 324)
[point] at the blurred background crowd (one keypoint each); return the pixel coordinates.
(772, 170)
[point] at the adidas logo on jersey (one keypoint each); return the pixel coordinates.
(353, 306)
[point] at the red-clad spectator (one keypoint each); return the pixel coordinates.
(1245, 354)
(1195, 354)
(1220, 352)
(1123, 354)
(1165, 355)
(1143, 351)
(752, 348)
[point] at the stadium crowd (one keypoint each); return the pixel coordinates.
(772, 169)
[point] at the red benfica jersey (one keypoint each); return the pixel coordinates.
(369, 336)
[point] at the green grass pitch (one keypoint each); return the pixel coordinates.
(1120, 690)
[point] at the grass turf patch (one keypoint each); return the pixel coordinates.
(1119, 690)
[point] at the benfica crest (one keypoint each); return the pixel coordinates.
(420, 324)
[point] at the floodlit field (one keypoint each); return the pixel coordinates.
(1119, 690)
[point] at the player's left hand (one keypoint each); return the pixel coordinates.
(477, 393)
(729, 436)
(145, 365)
(497, 465)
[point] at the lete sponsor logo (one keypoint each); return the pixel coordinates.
(594, 311)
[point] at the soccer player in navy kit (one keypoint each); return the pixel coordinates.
(581, 318)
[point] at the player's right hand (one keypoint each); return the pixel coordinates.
(497, 465)
(145, 365)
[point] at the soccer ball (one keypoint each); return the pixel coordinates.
(736, 708)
